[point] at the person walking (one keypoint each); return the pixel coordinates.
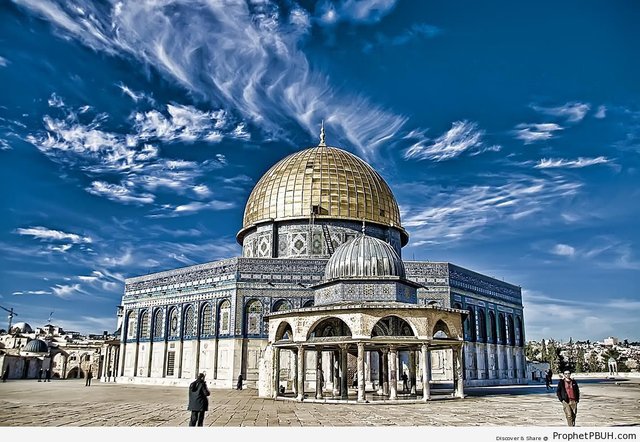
(569, 395)
(239, 384)
(5, 374)
(47, 375)
(40, 375)
(198, 401)
(548, 378)
(405, 383)
(88, 380)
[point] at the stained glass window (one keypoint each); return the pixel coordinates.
(157, 324)
(189, 323)
(131, 326)
(174, 331)
(144, 325)
(225, 313)
(207, 321)
(254, 314)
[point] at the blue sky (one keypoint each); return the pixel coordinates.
(132, 132)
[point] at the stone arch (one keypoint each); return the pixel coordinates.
(281, 305)
(73, 373)
(253, 317)
(284, 332)
(433, 303)
(441, 330)
(512, 331)
(308, 303)
(158, 324)
(482, 325)
(327, 327)
(143, 332)
(224, 317)
(207, 323)
(189, 322)
(392, 326)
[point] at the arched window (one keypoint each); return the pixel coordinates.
(225, 318)
(206, 321)
(520, 332)
(189, 323)
(158, 324)
(482, 326)
(131, 325)
(174, 329)
(254, 316)
(492, 328)
(144, 325)
(281, 306)
(501, 329)
(440, 330)
(308, 303)
(391, 326)
(470, 323)
(512, 332)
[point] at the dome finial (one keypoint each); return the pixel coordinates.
(363, 226)
(322, 143)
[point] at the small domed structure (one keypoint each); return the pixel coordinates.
(364, 257)
(35, 346)
(21, 327)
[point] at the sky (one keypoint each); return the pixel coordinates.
(132, 132)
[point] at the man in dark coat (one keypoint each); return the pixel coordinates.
(89, 377)
(569, 394)
(47, 375)
(5, 374)
(239, 384)
(548, 378)
(198, 401)
(40, 375)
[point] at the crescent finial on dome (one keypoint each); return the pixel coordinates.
(322, 143)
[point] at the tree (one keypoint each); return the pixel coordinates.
(580, 362)
(531, 351)
(593, 364)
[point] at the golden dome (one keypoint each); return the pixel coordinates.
(326, 181)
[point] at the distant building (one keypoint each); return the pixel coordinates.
(610, 341)
(25, 351)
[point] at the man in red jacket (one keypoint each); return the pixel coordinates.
(569, 394)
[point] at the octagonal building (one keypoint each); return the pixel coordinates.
(321, 233)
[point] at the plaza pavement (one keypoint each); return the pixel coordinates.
(28, 403)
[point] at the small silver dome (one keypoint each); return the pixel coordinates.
(364, 257)
(36, 346)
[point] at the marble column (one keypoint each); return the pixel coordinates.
(276, 372)
(294, 368)
(300, 376)
(335, 368)
(412, 371)
(426, 372)
(393, 373)
(458, 368)
(150, 358)
(319, 374)
(380, 373)
(385, 371)
(361, 379)
(344, 382)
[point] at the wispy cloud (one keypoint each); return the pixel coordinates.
(3, 62)
(31, 292)
(450, 214)
(601, 112)
(582, 319)
(65, 291)
(415, 32)
(44, 233)
(549, 163)
(530, 133)
(462, 136)
(573, 111)
(563, 250)
(239, 55)
(119, 193)
(355, 11)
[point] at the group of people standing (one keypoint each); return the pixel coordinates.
(46, 373)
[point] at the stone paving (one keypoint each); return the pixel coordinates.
(603, 403)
